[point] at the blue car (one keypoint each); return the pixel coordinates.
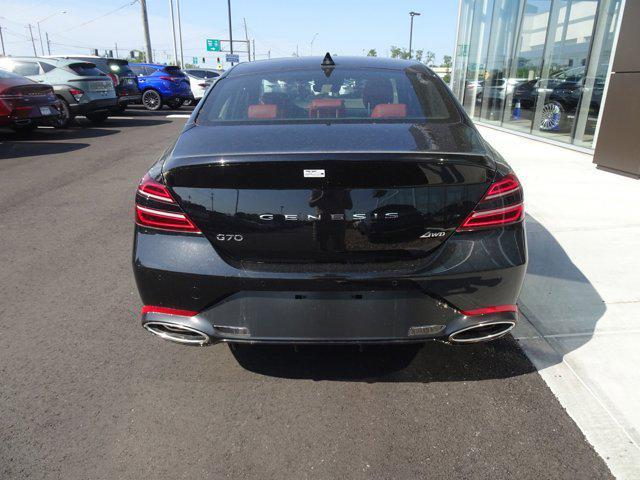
(162, 85)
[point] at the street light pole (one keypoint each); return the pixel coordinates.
(230, 29)
(145, 27)
(173, 31)
(312, 40)
(412, 14)
(180, 34)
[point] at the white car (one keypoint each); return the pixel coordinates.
(200, 79)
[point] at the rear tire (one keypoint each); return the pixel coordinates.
(188, 102)
(97, 117)
(175, 104)
(152, 100)
(65, 118)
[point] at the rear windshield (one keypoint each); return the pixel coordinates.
(358, 95)
(175, 71)
(120, 68)
(85, 69)
(203, 73)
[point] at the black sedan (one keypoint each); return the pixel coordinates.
(309, 200)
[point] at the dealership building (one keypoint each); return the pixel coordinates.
(562, 71)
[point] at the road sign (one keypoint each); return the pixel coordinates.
(213, 45)
(233, 58)
(195, 60)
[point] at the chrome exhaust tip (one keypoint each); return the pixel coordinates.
(177, 333)
(482, 332)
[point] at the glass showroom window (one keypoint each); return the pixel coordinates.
(564, 67)
(527, 66)
(497, 82)
(478, 46)
(462, 48)
(595, 79)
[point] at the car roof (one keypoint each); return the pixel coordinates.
(155, 65)
(88, 58)
(60, 62)
(294, 63)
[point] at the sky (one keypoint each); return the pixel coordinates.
(344, 27)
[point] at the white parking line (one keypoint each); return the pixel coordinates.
(178, 115)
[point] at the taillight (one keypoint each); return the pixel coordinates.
(501, 205)
(156, 208)
(77, 93)
(153, 189)
(488, 310)
(114, 79)
(170, 79)
(167, 311)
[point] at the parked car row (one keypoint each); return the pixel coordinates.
(53, 90)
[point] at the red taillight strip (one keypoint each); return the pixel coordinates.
(150, 217)
(154, 189)
(505, 186)
(167, 311)
(487, 310)
(493, 218)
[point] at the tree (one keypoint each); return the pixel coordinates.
(447, 61)
(372, 53)
(429, 58)
(397, 52)
(419, 54)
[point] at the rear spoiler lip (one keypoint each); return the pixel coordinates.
(477, 159)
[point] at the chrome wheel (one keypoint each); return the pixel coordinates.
(551, 117)
(152, 100)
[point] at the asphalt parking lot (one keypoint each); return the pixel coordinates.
(87, 393)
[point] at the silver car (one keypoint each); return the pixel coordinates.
(81, 87)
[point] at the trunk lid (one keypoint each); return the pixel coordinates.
(343, 209)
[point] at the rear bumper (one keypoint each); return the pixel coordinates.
(131, 98)
(93, 106)
(471, 271)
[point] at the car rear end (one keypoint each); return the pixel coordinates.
(292, 230)
(25, 103)
(173, 84)
(124, 81)
(89, 90)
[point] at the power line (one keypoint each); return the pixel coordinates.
(128, 4)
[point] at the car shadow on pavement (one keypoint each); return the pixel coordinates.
(430, 362)
(558, 297)
(54, 134)
(10, 150)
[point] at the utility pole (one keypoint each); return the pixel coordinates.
(412, 14)
(254, 49)
(117, 54)
(269, 54)
(180, 34)
(173, 31)
(230, 29)
(311, 45)
(48, 43)
(33, 43)
(246, 36)
(2, 42)
(145, 28)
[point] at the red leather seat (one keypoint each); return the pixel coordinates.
(326, 108)
(389, 110)
(262, 111)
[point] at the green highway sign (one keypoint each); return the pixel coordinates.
(195, 60)
(213, 45)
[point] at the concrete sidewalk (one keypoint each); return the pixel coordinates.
(580, 305)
